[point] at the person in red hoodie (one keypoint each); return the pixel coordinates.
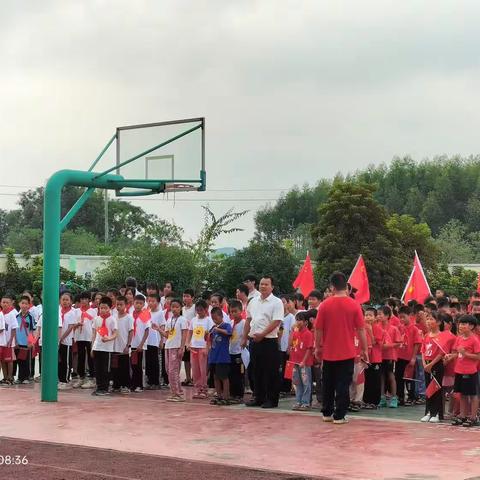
(467, 354)
(407, 356)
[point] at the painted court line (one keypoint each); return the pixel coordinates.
(83, 472)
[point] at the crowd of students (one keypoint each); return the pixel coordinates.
(124, 340)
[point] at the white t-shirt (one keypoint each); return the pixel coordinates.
(287, 324)
(188, 313)
(69, 318)
(236, 339)
(139, 328)
(174, 327)
(3, 337)
(111, 324)
(226, 316)
(124, 326)
(263, 312)
(39, 325)
(158, 319)
(199, 327)
(253, 294)
(84, 332)
(11, 324)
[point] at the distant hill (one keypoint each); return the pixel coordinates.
(228, 251)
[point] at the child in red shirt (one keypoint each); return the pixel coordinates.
(392, 340)
(432, 357)
(375, 338)
(301, 354)
(467, 354)
(407, 356)
(447, 341)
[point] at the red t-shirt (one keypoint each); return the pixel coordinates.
(410, 337)
(395, 321)
(302, 340)
(430, 347)
(391, 335)
(464, 365)
(376, 342)
(339, 318)
(447, 340)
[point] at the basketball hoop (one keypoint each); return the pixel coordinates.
(180, 187)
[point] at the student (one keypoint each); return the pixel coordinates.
(251, 281)
(176, 335)
(284, 333)
(314, 299)
(141, 329)
(112, 294)
(241, 294)
(389, 356)
(467, 355)
(152, 362)
(11, 324)
(39, 337)
(219, 356)
(152, 287)
(121, 347)
(167, 292)
(375, 339)
(3, 344)
(299, 300)
(188, 312)
(301, 354)
(407, 356)
(103, 337)
(217, 301)
(447, 342)
(237, 370)
(26, 327)
(83, 341)
(432, 358)
(68, 317)
(130, 296)
(199, 327)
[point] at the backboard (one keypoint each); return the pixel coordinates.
(169, 155)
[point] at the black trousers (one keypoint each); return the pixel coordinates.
(64, 363)
(39, 359)
(317, 378)
(250, 375)
(372, 391)
(237, 382)
(434, 404)
(101, 360)
(121, 373)
(285, 383)
(23, 365)
(152, 365)
(337, 377)
(400, 367)
(83, 350)
(164, 368)
(137, 370)
(266, 364)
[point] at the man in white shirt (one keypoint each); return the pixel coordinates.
(264, 316)
(251, 282)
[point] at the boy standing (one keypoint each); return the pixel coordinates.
(104, 334)
(188, 312)
(284, 337)
(141, 329)
(219, 357)
(152, 362)
(237, 370)
(10, 319)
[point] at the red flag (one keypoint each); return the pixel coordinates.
(433, 388)
(409, 373)
(288, 374)
(359, 280)
(31, 339)
(304, 280)
(478, 282)
(417, 286)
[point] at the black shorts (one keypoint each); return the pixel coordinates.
(220, 370)
(387, 366)
(466, 384)
(186, 356)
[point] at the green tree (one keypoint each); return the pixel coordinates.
(25, 240)
(80, 242)
(453, 243)
(459, 281)
(352, 222)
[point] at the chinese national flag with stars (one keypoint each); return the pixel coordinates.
(304, 280)
(359, 280)
(417, 286)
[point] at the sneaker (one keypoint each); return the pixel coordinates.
(38, 379)
(17, 382)
(64, 386)
(470, 422)
(197, 396)
(138, 390)
(327, 419)
(78, 383)
(116, 390)
(383, 402)
(125, 390)
(434, 419)
(100, 393)
(393, 402)
(456, 422)
(26, 382)
(88, 384)
(426, 418)
(297, 407)
(340, 421)
(304, 408)
(179, 398)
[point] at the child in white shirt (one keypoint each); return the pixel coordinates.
(141, 329)
(68, 317)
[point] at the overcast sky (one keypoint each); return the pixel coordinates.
(291, 91)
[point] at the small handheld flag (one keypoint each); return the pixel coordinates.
(288, 374)
(433, 388)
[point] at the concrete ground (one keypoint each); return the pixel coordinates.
(189, 438)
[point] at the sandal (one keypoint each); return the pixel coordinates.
(214, 401)
(470, 422)
(458, 421)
